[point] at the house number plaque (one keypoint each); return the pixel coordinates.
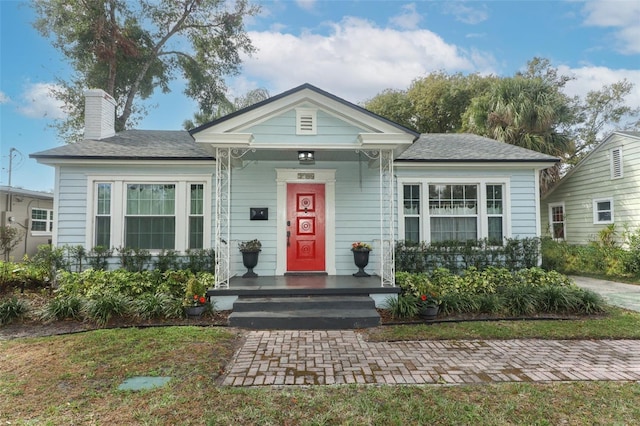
(307, 176)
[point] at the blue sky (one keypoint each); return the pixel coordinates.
(353, 49)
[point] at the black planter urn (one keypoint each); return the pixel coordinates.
(361, 259)
(250, 260)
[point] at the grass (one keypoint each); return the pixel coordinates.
(616, 324)
(73, 379)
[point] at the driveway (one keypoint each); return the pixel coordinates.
(619, 294)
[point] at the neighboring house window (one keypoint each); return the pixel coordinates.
(453, 212)
(616, 163)
(150, 221)
(196, 216)
(603, 211)
(103, 215)
(557, 221)
(495, 214)
(411, 204)
(41, 221)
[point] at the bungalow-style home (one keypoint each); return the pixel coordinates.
(601, 190)
(31, 212)
(305, 172)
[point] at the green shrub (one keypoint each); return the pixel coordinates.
(98, 258)
(459, 303)
(11, 309)
(521, 300)
(103, 307)
(154, 305)
(64, 307)
(404, 306)
(490, 303)
(589, 302)
(557, 299)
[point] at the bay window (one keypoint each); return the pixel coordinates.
(454, 211)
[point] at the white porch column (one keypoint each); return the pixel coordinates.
(387, 219)
(222, 228)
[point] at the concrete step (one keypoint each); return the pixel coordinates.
(304, 313)
(274, 304)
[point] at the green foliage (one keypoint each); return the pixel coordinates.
(64, 307)
(10, 237)
(134, 259)
(130, 49)
(497, 290)
(11, 309)
(98, 258)
(77, 254)
(155, 305)
(404, 306)
(200, 260)
(103, 307)
(167, 260)
(457, 256)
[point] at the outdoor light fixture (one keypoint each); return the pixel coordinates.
(306, 157)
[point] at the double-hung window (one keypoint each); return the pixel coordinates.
(603, 211)
(41, 221)
(557, 221)
(452, 211)
(103, 215)
(152, 214)
(150, 221)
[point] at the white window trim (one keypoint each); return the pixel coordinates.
(612, 163)
(50, 214)
(595, 211)
(564, 219)
(483, 225)
(118, 206)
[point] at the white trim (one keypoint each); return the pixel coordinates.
(550, 207)
(56, 204)
(595, 202)
(538, 207)
(118, 205)
(49, 222)
(326, 176)
(483, 226)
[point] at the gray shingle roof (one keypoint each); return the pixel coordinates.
(133, 145)
(465, 147)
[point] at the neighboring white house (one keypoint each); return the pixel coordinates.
(601, 190)
(305, 172)
(31, 212)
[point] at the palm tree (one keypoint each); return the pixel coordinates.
(527, 112)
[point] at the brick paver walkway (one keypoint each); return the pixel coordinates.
(294, 357)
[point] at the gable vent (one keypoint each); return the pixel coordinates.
(306, 121)
(616, 163)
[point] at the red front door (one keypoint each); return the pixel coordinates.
(305, 227)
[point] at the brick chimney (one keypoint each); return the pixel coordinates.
(99, 114)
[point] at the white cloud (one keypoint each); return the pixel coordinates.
(4, 99)
(357, 59)
(623, 16)
(591, 78)
(38, 102)
(408, 19)
(466, 14)
(306, 4)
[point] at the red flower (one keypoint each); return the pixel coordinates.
(423, 297)
(195, 297)
(202, 299)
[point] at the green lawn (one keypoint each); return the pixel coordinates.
(73, 379)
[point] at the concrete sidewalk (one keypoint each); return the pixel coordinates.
(619, 294)
(316, 357)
